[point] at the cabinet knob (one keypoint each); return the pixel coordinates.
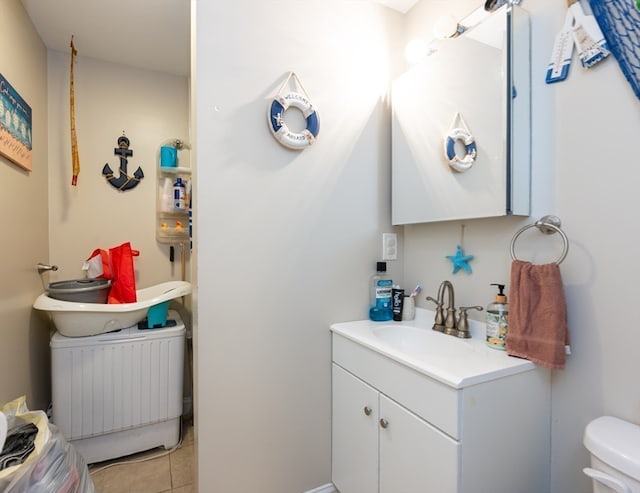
(384, 423)
(367, 411)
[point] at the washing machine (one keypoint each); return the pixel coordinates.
(120, 392)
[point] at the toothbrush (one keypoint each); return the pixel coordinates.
(416, 291)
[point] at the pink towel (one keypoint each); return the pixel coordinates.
(537, 314)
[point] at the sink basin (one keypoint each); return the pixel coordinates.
(416, 340)
(453, 361)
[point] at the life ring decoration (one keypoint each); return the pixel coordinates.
(460, 133)
(293, 99)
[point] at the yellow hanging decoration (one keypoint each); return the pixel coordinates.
(72, 106)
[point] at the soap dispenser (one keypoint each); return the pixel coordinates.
(497, 320)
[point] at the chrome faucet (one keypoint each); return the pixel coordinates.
(448, 323)
(438, 320)
(445, 323)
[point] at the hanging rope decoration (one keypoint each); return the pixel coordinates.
(460, 132)
(285, 100)
(460, 260)
(75, 157)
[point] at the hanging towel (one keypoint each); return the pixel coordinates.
(537, 315)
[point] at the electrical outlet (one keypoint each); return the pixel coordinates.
(389, 246)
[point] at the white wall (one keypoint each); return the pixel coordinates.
(24, 349)
(286, 239)
(583, 129)
(151, 108)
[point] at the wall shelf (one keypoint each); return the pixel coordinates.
(172, 225)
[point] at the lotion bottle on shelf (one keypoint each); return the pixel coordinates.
(497, 320)
(380, 305)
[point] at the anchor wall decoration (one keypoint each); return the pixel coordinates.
(123, 181)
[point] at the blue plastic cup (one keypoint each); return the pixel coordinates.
(168, 157)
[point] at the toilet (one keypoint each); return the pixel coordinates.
(614, 445)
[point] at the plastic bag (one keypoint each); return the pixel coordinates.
(123, 285)
(53, 467)
(97, 265)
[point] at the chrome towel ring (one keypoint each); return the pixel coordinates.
(547, 225)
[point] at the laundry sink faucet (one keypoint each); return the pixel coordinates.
(45, 267)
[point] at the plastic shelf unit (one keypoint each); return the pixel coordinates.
(172, 222)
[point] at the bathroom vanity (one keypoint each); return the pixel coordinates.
(418, 411)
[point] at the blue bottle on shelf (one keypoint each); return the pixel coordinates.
(381, 284)
(179, 195)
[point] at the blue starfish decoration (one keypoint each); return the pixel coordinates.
(460, 260)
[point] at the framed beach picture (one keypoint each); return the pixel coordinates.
(15, 126)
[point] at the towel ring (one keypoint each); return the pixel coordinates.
(547, 225)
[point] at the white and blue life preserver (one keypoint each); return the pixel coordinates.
(457, 163)
(293, 140)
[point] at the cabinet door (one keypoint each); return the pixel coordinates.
(354, 457)
(415, 457)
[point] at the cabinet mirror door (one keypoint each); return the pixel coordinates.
(475, 86)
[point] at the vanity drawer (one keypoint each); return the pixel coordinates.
(433, 401)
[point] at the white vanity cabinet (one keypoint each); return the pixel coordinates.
(378, 445)
(354, 432)
(396, 429)
(414, 456)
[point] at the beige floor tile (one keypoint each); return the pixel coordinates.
(98, 482)
(151, 476)
(173, 473)
(184, 489)
(182, 466)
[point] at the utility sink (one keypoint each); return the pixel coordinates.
(451, 360)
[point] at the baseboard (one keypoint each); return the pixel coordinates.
(327, 488)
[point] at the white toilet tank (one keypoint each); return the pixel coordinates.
(614, 445)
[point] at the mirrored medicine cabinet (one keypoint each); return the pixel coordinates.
(480, 81)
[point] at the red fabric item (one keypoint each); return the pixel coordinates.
(104, 259)
(123, 284)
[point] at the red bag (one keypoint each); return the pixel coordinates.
(123, 284)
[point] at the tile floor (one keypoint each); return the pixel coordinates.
(172, 473)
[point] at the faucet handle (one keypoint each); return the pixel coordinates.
(438, 320)
(429, 298)
(463, 323)
(465, 308)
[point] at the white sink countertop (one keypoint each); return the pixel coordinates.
(453, 361)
